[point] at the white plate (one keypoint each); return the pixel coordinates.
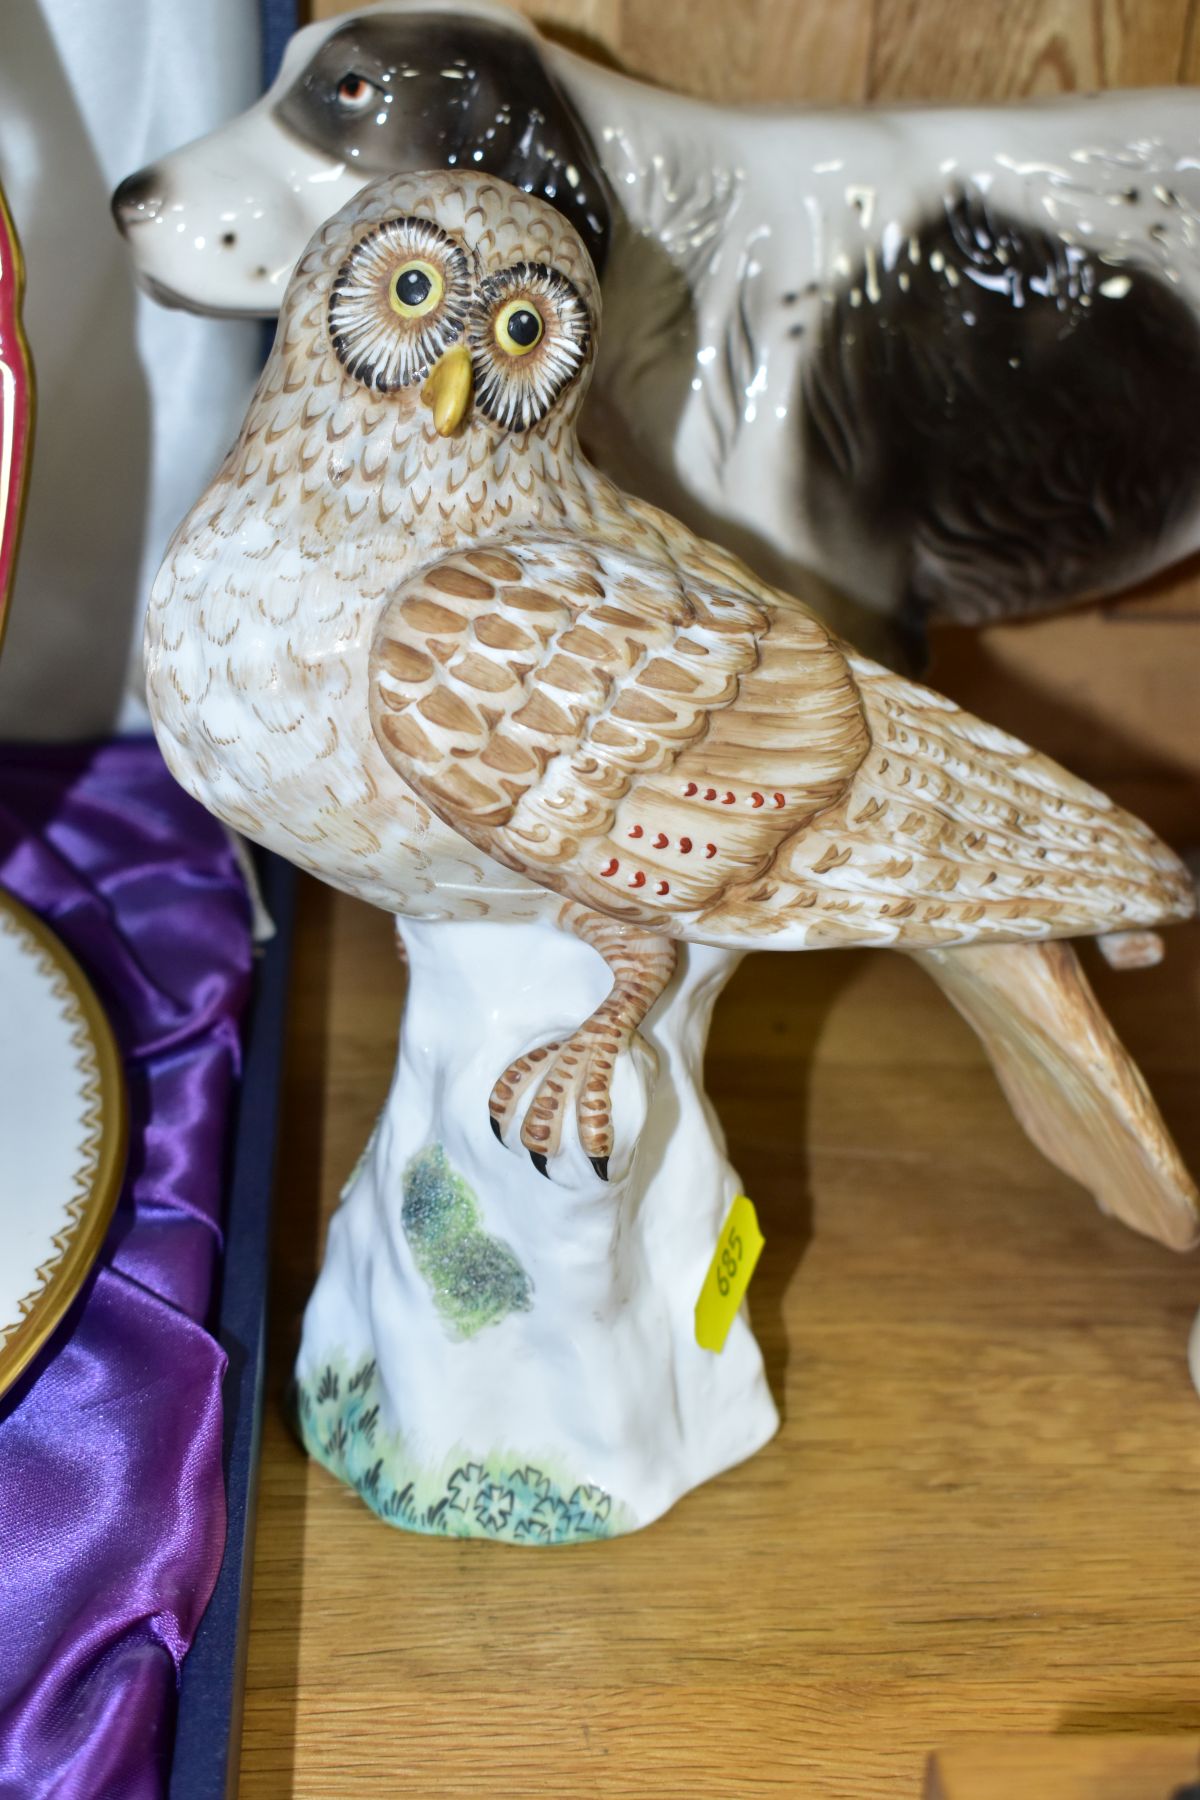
(62, 1132)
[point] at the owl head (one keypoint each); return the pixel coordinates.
(453, 300)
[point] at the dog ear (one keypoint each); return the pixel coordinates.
(456, 91)
(526, 130)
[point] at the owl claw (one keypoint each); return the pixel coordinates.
(494, 1122)
(572, 1078)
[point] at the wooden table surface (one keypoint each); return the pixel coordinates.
(980, 1514)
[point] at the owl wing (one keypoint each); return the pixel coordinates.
(632, 736)
(682, 750)
(952, 832)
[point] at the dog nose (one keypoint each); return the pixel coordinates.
(138, 199)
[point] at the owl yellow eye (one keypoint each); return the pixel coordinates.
(415, 289)
(518, 328)
(400, 299)
(529, 340)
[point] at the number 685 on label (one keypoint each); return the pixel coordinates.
(738, 1249)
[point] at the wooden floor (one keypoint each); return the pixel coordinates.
(980, 1515)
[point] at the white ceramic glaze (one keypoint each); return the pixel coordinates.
(570, 1350)
(745, 248)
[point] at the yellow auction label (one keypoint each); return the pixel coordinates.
(738, 1249)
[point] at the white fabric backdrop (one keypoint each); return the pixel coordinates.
(136, 404)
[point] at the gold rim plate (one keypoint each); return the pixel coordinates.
(63, 1133)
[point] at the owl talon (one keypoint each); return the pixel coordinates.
(573, 1077)
(573, 1082)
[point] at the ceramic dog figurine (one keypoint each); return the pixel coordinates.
(411, 639)
(947, 358)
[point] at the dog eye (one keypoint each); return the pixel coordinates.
(518, 328)
(415, 289)
(355, 93)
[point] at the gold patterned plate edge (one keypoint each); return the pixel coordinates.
(98, 1182)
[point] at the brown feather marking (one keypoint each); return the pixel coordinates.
(532, 600)
(507, 756)
(502, 634)
(539, 713)
(445, 708)
(620, 620)
(460, 788)
(584, 584)
(482, 673)
(495, 564)
(404, 661)
(580, 641)
(668, 678)
(574, 677)
(640, 709)
(423, 616)
(612, 737)
(406, 736)
(449, 579)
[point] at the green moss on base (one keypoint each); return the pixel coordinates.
(475, 1280)
(492, 1497)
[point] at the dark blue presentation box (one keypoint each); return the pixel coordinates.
(209, 1726)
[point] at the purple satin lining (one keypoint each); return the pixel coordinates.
(112, 1508)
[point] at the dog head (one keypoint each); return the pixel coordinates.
(218, 225)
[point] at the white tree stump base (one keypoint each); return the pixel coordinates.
(489, 1353)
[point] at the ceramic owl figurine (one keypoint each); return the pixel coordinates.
(413, 641)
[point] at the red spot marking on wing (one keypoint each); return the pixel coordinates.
(635, 831)
(685, 845)
(710, 793)
(660, 842)
(710, 850)
(728, 800)
(756, 800)
(779, 799)
(689, 790)
(664, 887)
(612, 868)
(638, 880)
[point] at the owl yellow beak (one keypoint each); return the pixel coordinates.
(447, 389)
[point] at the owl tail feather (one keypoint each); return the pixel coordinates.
(1071, 1082)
